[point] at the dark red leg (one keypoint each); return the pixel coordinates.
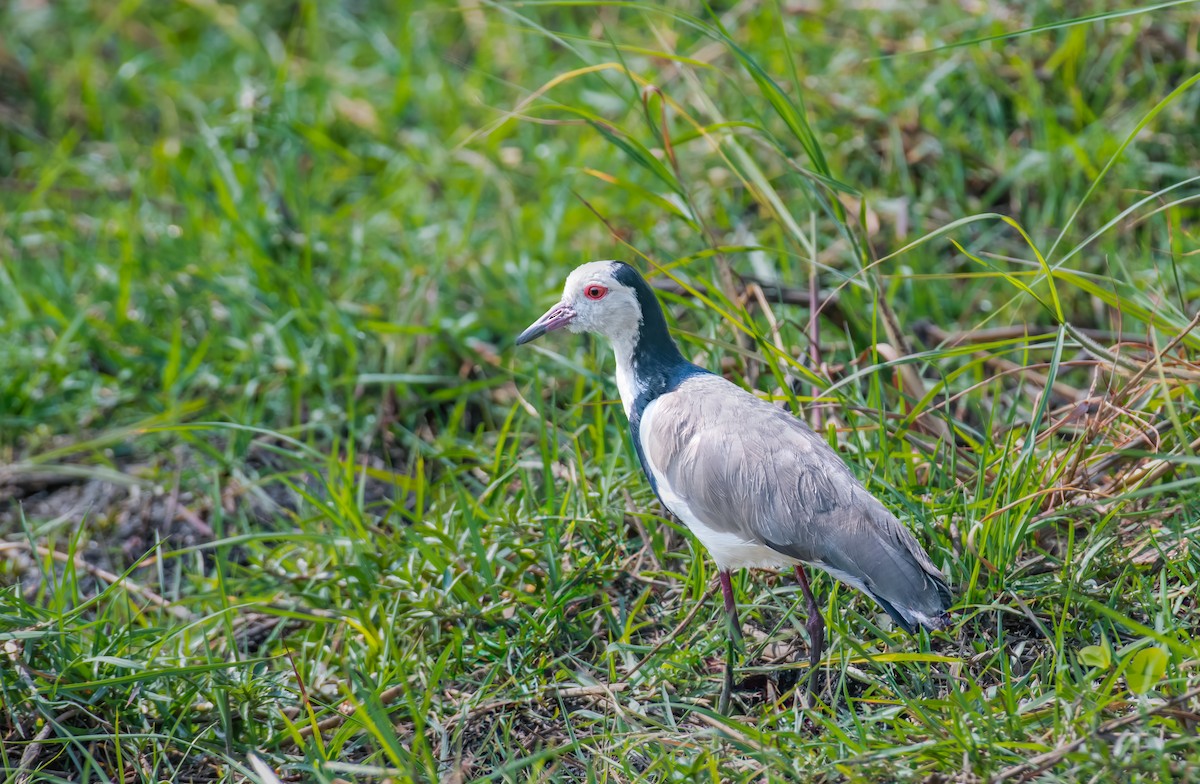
(816, 631)
(735, 626)
(735, 639)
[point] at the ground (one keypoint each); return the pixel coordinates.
(279, 497)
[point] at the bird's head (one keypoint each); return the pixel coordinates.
(599, 297)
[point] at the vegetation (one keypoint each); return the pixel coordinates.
(279, 499)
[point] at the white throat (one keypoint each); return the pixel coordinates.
(627, 385)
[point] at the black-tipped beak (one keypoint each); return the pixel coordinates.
(557, 317)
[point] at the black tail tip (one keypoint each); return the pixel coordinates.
(937, 622)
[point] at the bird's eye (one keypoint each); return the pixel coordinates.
(595, 292)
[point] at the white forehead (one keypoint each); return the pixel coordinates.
(592, 272)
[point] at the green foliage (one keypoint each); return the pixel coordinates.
(1098, 656)
(1146, 669)
(273, 482)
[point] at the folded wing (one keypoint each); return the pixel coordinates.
(748, 468)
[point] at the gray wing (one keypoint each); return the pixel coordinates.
(746, 467)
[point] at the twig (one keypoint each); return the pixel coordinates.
(1035, 765)
(701, 604)
(1149, 472)
(1006, 367)
(773, 292)
(1088, 340)
(196, 522)
(1156, 360)
(389, 695)
(966, 467)
(814, 341)
(912, 385)
(25, 769)
(30, 755)
(643, 534)
(929, 333)
(757, 292)
(173, 498)
(1119, 453)
(176, 510)
(1020, 370)
(1042, 493)
(101, 574)
(605, 690)
(772, 322)
(736, 735)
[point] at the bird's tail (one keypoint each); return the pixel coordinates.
(928, 610)
(890, 566)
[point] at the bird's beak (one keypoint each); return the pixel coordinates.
(556, 317)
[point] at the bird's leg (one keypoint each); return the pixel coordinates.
(816, 632)
(734, 640)
(735, 626)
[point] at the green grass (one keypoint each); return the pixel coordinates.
(274, 482)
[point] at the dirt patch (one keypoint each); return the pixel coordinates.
(114, 517)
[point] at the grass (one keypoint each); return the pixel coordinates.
(278, 499)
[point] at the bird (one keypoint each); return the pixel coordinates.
(753, 483)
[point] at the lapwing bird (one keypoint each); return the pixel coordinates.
(753, 483)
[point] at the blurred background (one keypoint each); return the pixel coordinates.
(272, 477)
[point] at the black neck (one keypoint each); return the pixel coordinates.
(654, 344)
(658, 365)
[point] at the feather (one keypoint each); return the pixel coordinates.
(754, 472)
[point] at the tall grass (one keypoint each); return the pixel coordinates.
(274, 487)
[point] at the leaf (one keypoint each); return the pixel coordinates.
(1146, 668)
(1096, 656)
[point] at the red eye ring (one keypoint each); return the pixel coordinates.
(595, 291)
